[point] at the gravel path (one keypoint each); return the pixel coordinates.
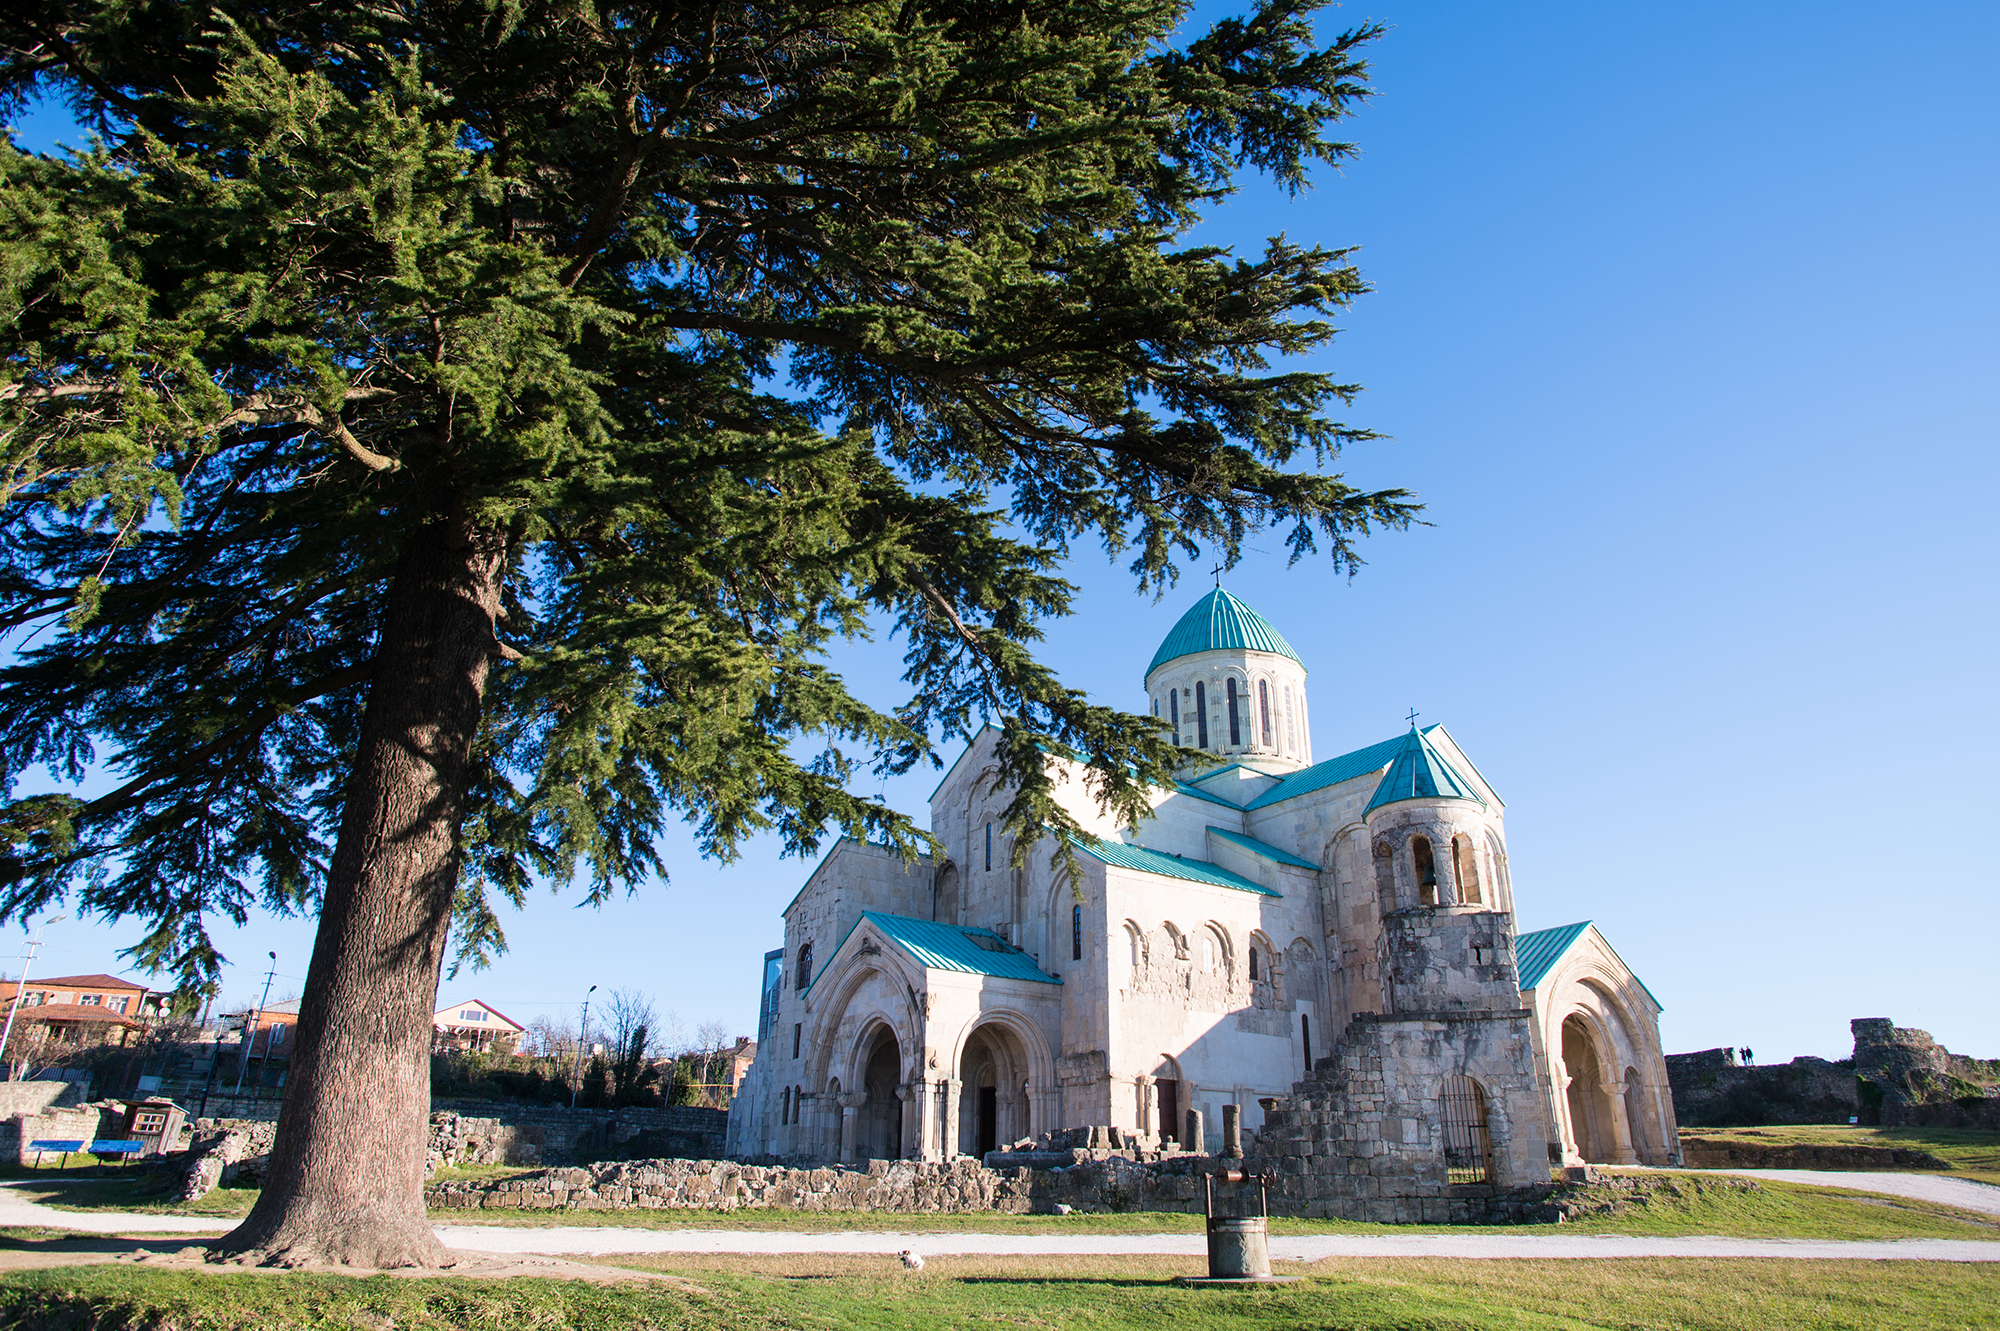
(1963, 1193)
(1295, 1248)
(16, 1210)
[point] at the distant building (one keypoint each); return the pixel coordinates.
(475, 1027)
(83, 1009)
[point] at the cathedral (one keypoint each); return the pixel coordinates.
(1282, 925)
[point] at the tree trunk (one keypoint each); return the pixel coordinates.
(346, 1176)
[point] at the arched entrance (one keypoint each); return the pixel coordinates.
(880, 1133)
(993, 1094)
(1597, 1120)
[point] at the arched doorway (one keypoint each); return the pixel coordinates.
(879, 1135)
(993, 1090)
(1589, 1115)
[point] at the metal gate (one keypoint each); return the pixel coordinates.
(1466, 1150)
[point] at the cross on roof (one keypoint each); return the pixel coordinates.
(1412, 717)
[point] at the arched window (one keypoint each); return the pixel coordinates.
(785, 1107)
(1076, 933)
(1465, 865)
(1201, 714)
(1207, 953)
(1425, 864)
(989, 848)
(1235, 730)
(1174, 712)
(1466, 1152)
(805, 966)
(1178, 940)
(1264, 709)
(1255, 975)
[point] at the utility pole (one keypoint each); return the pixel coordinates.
(583, 1030)
(21, 989)
(250, 1027)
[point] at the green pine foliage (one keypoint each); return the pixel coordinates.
(749, 329)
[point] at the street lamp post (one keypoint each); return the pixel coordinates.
(250, 1028)
(21, 987)
(583, 1031)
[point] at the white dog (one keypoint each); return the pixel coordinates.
(911, 1260)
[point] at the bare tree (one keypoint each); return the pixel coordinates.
(625, 1012)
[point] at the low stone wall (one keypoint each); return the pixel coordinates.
(519, 1132)
(957, 1187)
(1713, 1153)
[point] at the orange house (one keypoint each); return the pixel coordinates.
(82, 1009)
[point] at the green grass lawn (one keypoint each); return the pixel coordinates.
(1972, 1153)
(1096, 1294)
(1677, 1204)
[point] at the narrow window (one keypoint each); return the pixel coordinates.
(989, 848)
(1306, 1039)
(1291, 737)
(1466, 868)
(805, 967)
(798, 1033)
(1426, 867)
(1253, 965)
(1235, 730)
(1076, 933)
(1207, 953)
(1132, 936)
(1174, 712)
(1156, 708)
(785, 1107)
(1264, 709)
(1201, 714)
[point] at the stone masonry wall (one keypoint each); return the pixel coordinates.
(503, 1131)
(1711, 1090)
(955, 1187)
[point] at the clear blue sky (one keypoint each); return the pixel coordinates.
(1684, 327)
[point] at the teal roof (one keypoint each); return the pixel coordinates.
(1219, 621)
(1537, 953)
(950, 947)
(1332, 772)
(1170, 866)
(1534, 953)
(1268, 851)
(1420, 772)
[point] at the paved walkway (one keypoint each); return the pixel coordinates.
(16, 1210)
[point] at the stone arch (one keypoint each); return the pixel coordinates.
(1591, 1062)
(1264, 968)
(1177, 942)
(1216, 935)
(1465, 870)
(879, 1131)
(999, 1058)
(1137, 954)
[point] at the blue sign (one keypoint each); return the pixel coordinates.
(55, 1146)
(117, 1147)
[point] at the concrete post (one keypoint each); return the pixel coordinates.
(1232, 1132)
(1197, 1133)
(1621, 1127)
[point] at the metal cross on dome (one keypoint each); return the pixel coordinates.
(1412, 718)
(1217, 571)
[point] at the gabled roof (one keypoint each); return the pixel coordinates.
(1264, 848)
(1170, 866)
(1219, 621)
(1332, 772)
(949, 947)
(1536, 954)
(480, 1003)
(85, 982)
(94, 1014)
(1420, 772)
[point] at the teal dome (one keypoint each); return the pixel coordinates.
(1220, 622)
